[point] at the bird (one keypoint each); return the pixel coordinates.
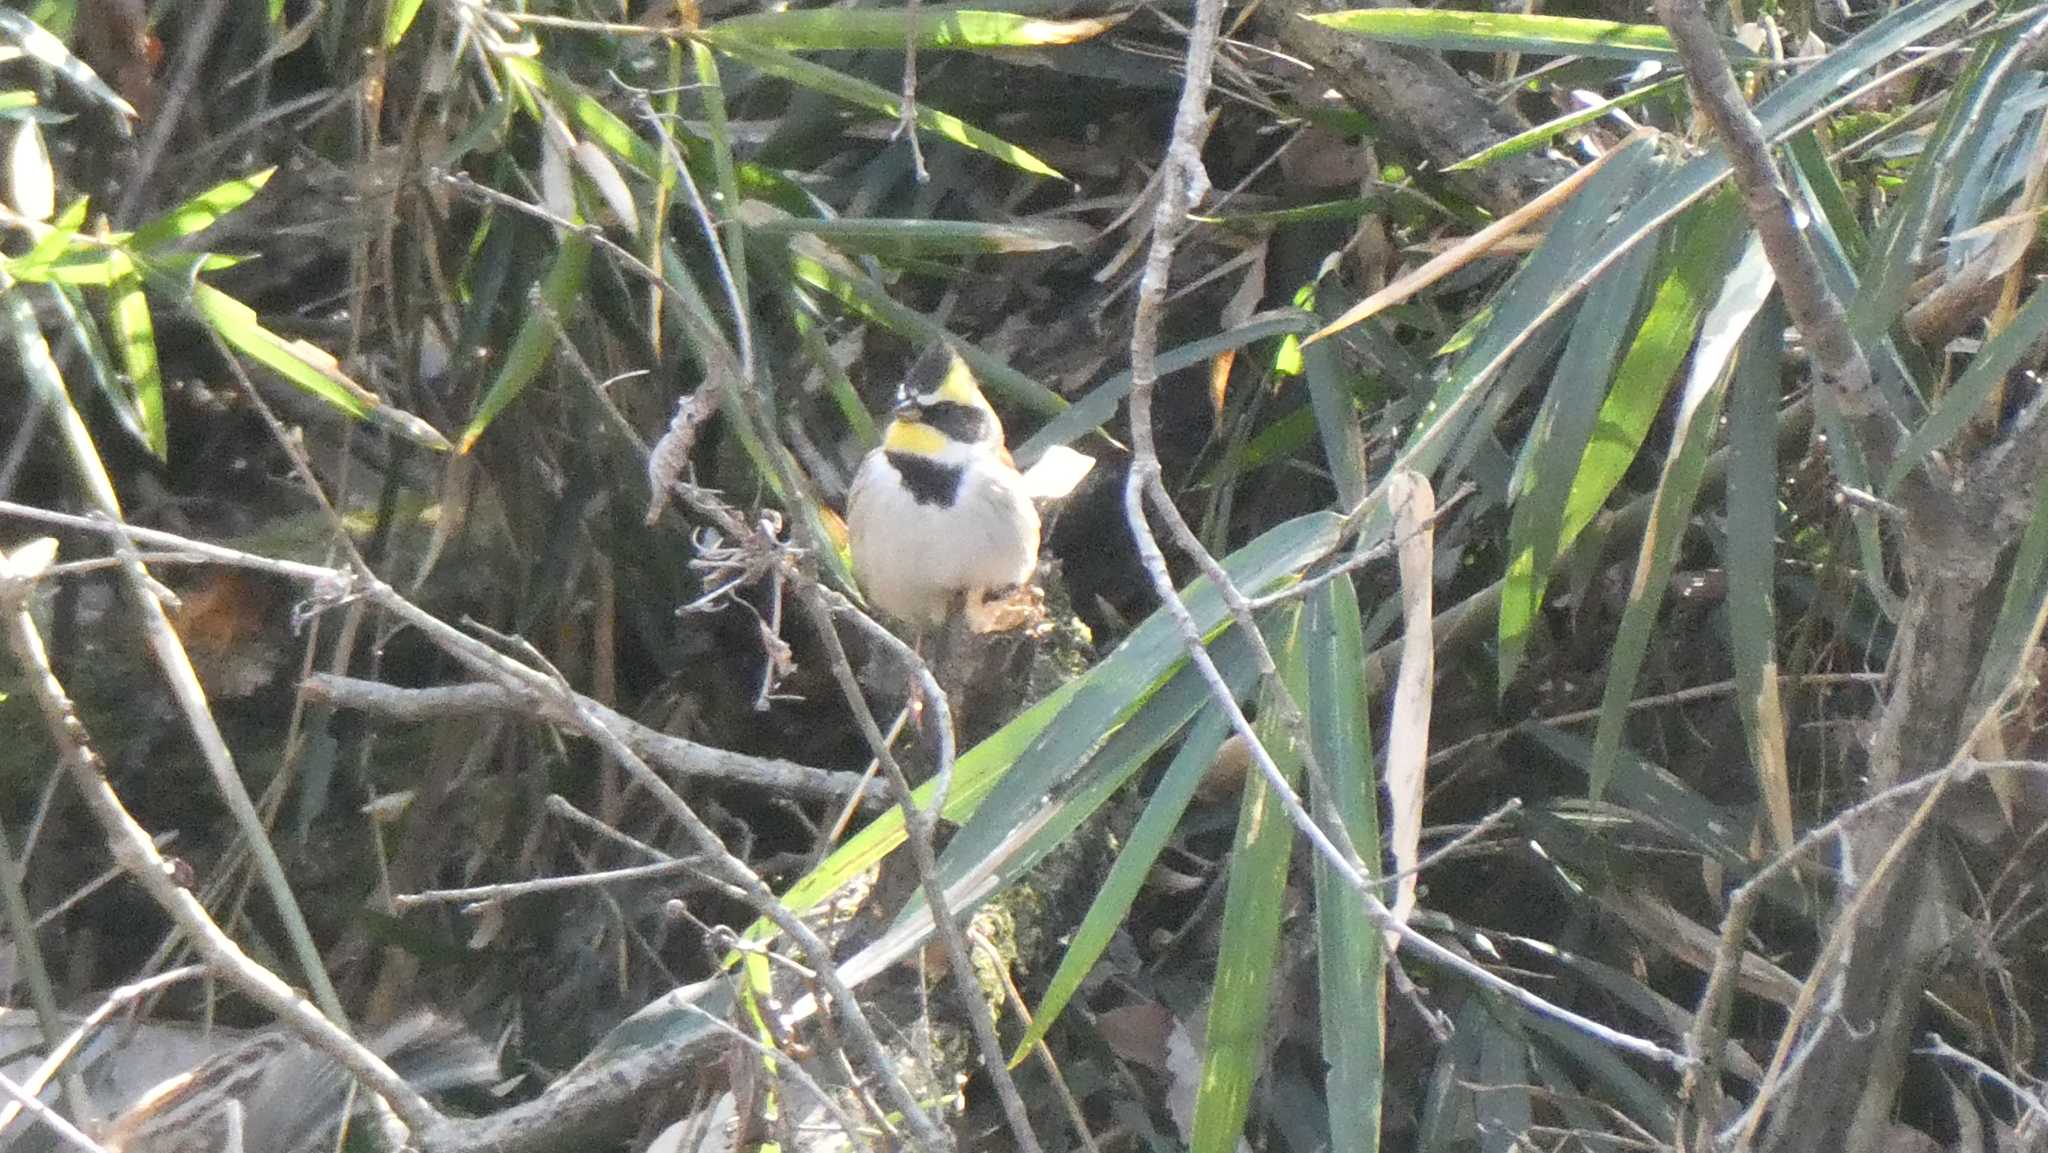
(939, 520)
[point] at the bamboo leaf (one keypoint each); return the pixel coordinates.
(1742, 297)
(199, 213)
(1556, 446)
(1349, 961)
(875, 98)
(558, 291)
(135, 336)
(1447, 30)
(886, 29)
(1752, 565)
(1234, 1042)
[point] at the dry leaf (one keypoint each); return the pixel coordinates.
(1414, 507)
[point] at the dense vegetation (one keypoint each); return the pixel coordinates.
(1544, 657)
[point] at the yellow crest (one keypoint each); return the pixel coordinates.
(959, 385)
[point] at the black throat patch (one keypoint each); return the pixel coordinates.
(962, 422)
(929, 481)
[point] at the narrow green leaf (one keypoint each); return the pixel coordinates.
(884, 29)
(875, 98)
(1350, 958)
(198, 213)
(305, 365)
(1087, 709)
(1556, 445)
(398, 18)
(1234, 1041)
(1742, 296)
(1577, 247)
(55, 244)
(1119, 890)
(1701, 259)
(1823, 188)
(1752, 563)
(1052, 799)
(559, 290)
(1447, 30)
(1916, 213)
(911, 238)
(1967, 397)
(1530, 139)
(135, 335)
(1330, 397)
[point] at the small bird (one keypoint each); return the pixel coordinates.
(938, 517)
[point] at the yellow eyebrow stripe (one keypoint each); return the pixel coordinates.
(911, 437)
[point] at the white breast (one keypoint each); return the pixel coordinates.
(913, 559)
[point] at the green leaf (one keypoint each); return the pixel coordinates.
(198, 213)
(1916, 213)
(1752, 564)
(1530, 139)
(559, 290)
(1556, 445)
(306, 365)
(1120, 888)
(1088, 709)
(135, 335)
(1447, 30)
(885, 29)
(1234, 1042)
(398, 18)
(875, 98)
(1970, 394)
(1742, 297)
(911, 238)
(1578, 247)
(1350, 961)
(1661, 344)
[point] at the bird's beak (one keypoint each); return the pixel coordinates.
(907, 408)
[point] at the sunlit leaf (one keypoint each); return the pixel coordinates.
(933, 27)
(1742, 297)
(199, 212)
(1448, 29)
(557, 296)
(875, 98)
(1234, 1041)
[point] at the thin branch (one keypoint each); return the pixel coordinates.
(1181, 182)
(685, 758)
(1844, 370)
(821, 603)
(135, 851)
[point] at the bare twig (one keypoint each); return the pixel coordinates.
(62, 1052)
(1941, 1050)
(48, 1116)
(136, 852)
(1844, 370)
(1181, 183)
(821, 604)
(685, 758)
